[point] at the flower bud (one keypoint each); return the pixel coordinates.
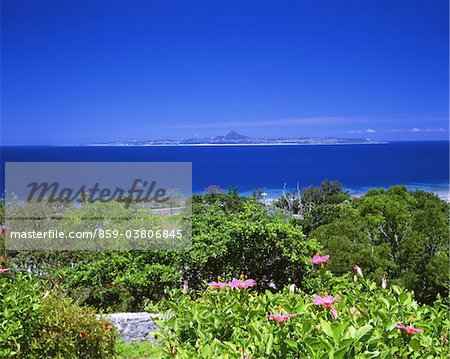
(358, 271)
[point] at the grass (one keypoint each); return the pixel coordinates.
(136, 350)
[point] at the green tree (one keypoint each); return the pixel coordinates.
(395, 232)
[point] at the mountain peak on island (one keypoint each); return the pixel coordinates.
(233, 135)
(234, 138)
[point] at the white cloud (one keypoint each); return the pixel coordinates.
(417, 129)
(321, 121)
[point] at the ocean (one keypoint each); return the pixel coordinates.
(419, 165)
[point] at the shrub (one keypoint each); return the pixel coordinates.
(230, 323)
(19, 313)
(400, 233)
(32, 326)
(231, 235)
(226, 243)
(70, 331)
(121, 281)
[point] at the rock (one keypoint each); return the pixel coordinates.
(134, 326)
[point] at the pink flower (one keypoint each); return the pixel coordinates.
(46, 294)
(384, 282)
(358, 271)
(317, 259)
(185, 287)
(280, 318)
(334, 313)
(326, 301)
(217, 285)
(2, 270)
(236, 283)
(409, 330)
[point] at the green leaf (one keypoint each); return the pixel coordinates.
(291, 343)
(361, 332)
(346, 342)
(396, 289)
(340, 354)
(414, 344)
(326, 328)
(269, 344)
(386, 302)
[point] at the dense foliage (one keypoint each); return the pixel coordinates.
(402, 234)
(397, 233)
(364, 322)
(231, 234)
(34, 324)
(392, 233)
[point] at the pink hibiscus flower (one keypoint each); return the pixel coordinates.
(2, 270)
(409, 330)
(317, 259)
(280, 318)
(326, 301)
(236, 283)
(217, 284)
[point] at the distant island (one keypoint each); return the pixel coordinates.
(234, 138)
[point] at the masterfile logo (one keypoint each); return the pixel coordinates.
(94, 206)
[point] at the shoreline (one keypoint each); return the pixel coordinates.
(239, 144)
(441, 190)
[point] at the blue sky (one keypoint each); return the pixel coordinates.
(87, 71)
